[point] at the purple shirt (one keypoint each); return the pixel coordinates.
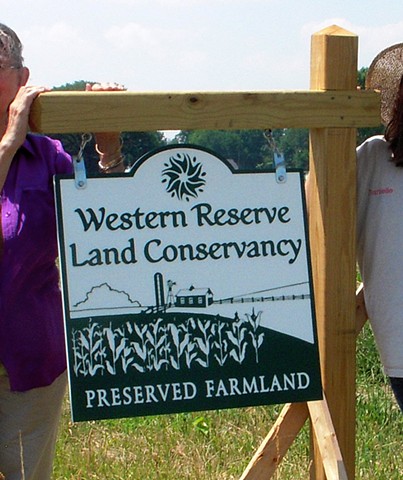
(31, 321)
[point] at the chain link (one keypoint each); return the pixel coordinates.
(270, 140)
(85, 138)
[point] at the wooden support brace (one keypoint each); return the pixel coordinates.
(292, 418)
(270, 453)
(326, 439)
(289, 423)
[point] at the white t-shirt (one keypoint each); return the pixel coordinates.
(380, 247)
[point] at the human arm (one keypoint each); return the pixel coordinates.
(108, 144)
(361, 311)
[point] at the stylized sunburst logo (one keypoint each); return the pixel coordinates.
(183, 176)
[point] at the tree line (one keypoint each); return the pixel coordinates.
(249, 149)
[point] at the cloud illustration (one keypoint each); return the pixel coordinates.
(104, 296)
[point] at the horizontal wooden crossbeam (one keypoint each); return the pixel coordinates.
(69, 112)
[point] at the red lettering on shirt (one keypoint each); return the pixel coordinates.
(381, 191)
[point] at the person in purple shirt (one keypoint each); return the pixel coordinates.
(32, 356)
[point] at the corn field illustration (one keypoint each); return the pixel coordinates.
(173, 342)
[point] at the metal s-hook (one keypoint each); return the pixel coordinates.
(281, 170)
(80, 174)
(279, 161)
(270, 140)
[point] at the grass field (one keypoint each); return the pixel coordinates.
(219, 444)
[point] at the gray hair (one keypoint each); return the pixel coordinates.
(10, 47)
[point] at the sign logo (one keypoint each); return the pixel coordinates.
(184, 176)
(186, 286)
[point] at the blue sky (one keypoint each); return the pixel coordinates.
(190, 45)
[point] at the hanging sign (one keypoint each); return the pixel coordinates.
(186, 286)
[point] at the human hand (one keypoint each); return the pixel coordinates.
(18, 115)
(104, 87)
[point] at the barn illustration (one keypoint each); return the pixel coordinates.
(194, 297)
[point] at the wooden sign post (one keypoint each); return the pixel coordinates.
(332, 200)
(332, 110)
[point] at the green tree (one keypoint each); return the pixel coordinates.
(366, 132)
(294, 144)
(250, 149)
(135, 144)
(247, 148)
(361, 77)
(77, 86)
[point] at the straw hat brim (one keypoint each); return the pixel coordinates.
(384, 74)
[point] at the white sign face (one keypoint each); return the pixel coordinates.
(181, 275)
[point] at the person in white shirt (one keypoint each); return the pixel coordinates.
(379, 217)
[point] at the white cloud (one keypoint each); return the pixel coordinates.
(375, 39)
(138, 36)
(179, 3)
(61, 49)
(187, 44)
(156, 54)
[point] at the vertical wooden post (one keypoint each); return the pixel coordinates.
(331, 200)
